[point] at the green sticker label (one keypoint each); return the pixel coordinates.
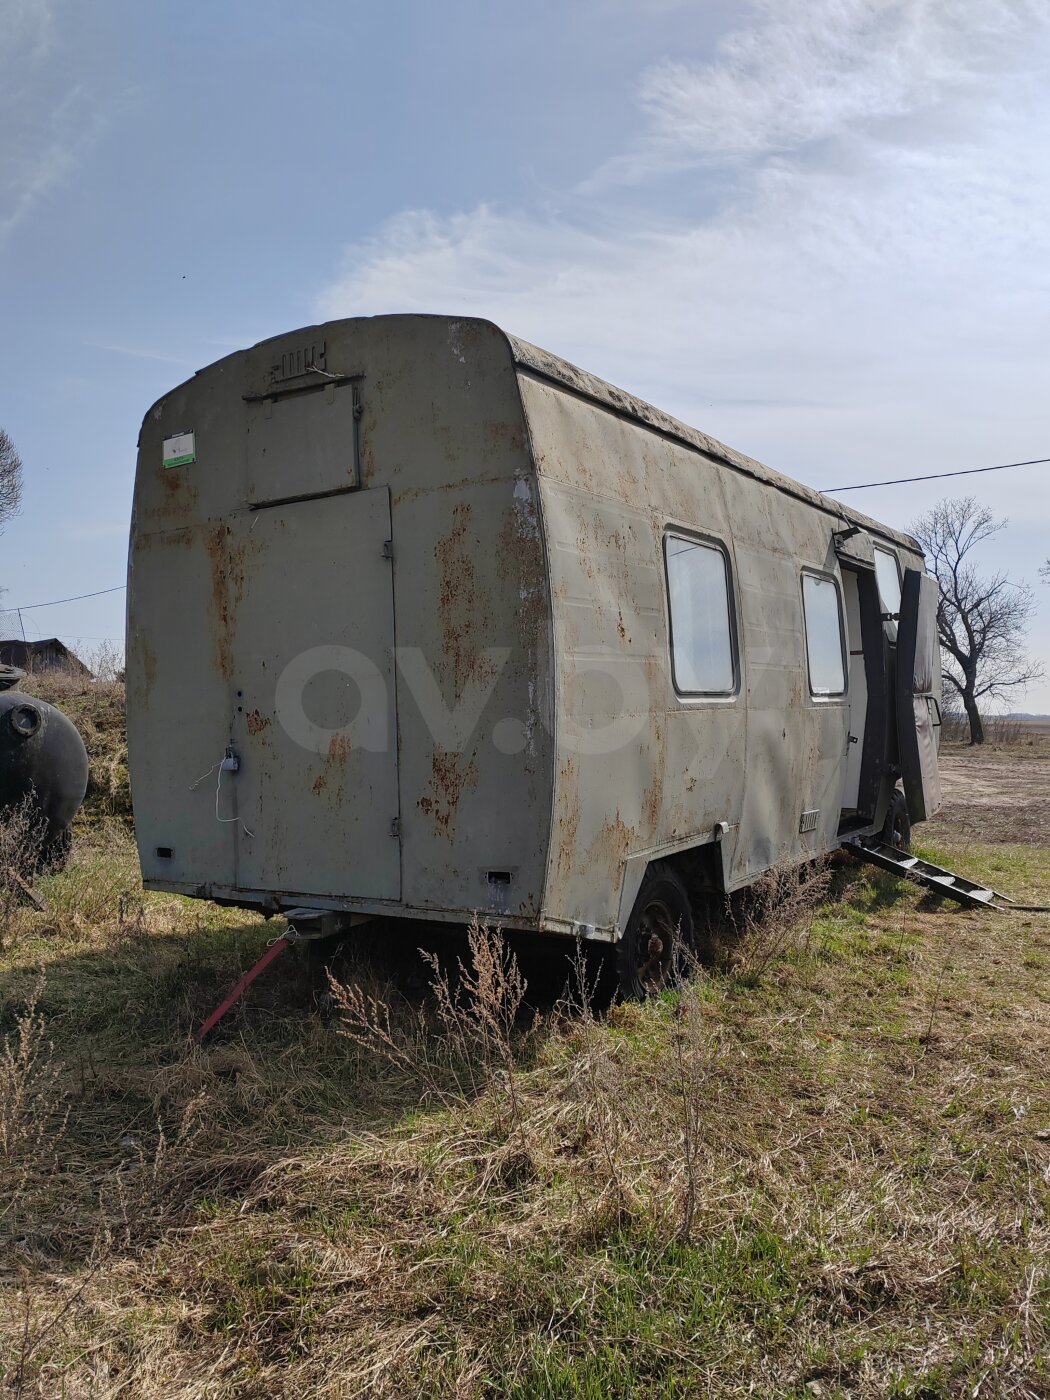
(179, 450)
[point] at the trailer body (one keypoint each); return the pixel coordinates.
(425, 621)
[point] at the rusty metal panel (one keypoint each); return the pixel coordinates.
(440, 429)
(302, 441)
(314, 804)
(637, 768)
(797, 743)
(176, 707)
(473, 666)
(739, 771)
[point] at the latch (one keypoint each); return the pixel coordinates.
(395, 827)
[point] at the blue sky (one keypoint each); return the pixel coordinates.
(814, 228)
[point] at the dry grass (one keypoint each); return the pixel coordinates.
(822, 1168)
(96, 707)
(826, 1177)
(772, 916)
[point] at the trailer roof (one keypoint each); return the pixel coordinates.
(544, 365)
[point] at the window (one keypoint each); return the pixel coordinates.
(824, 650)
(888, 575)
(702, 649)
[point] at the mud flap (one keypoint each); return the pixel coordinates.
(918, 694)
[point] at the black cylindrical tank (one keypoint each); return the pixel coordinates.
(42, 758)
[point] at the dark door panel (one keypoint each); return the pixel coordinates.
(918, 694)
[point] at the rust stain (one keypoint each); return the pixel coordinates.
(504, 436)
(408, 494)
(340, 747)
(256, 722)
(227, 589)
(149, 665)
(609, 849)
(521, 564)
(569, 820)
(458, 603)
(654, 757)
(178, 498)
(652, 801)
(450, 777)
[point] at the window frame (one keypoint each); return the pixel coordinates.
(693, 537)
(825, 697)
(890, 554)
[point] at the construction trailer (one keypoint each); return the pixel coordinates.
(424, 621)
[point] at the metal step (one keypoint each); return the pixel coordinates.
(934, 877)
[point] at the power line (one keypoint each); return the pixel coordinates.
(824, 491)
(933, 476)
(25, 607)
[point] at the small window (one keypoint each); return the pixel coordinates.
(702, 651)
(824, 650)
(888, 575)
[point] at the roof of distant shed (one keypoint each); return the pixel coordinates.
(15, 651)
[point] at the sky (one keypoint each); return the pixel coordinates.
(815, 229)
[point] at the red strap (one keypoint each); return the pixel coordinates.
(240, 987)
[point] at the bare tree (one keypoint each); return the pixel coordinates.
(10, 479)
(981, 619)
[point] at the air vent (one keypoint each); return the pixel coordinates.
(808, 821)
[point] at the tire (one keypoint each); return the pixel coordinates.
(896, 831)
(649, 955)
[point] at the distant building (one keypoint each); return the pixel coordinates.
(49, 654)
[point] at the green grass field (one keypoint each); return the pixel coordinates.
(821, 1170)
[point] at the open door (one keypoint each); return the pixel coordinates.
(869, 696)
(918, 694)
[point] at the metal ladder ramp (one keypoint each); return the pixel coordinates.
(935, 877)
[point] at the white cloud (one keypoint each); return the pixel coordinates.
(27, 29)
(810, 270)
(808, 71)
(49, 121)
(868, 286)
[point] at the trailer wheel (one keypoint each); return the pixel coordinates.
(649, 955)
(897, 829)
